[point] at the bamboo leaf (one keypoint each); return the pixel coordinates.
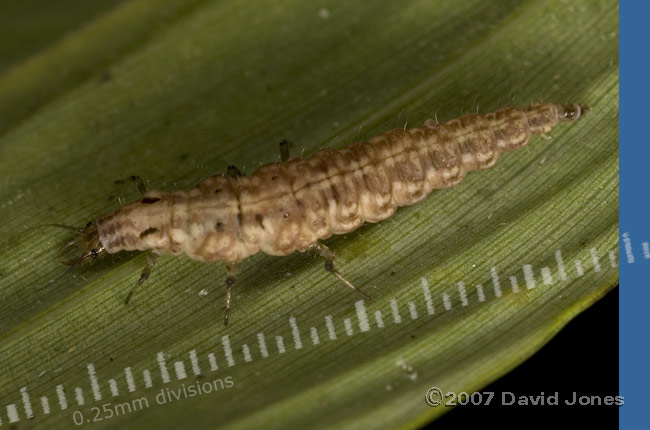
(175, 91)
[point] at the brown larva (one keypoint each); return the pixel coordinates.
(289, 206)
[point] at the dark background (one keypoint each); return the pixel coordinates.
(583, 357)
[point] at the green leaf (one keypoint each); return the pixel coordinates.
(175, 91)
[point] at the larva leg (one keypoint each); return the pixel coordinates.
(151, 260)
(139, 183)
(231, 269)
(284, 150)
(328, 255)
(234, 172)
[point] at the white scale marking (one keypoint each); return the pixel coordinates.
(94, 384)
(396, 316)
(595, 260)
(79, 396)
(12, 413)
(612, 258)
(427, 296)
(412, 310)
(297, 342)
(547, 277)
(247, 353)
(179, 368)
(213, 362)
(446, 302)
(646, 250)
(480, 293)
(262, 344)
(560, 265)
(60, 394)
(379, 319)
(27, 404)
(495, 282)
(348, 326)
(146, 375)
(628, 247)
(314, 336)
(45, 404)
(195, 362)
(462, 293)
(227, 350)
(113, 387)
(280, 343)
(130, 383)
(362, 316)
(164, 374)
(515, 285)
(579, 268)
(529, 276)
(330, 327)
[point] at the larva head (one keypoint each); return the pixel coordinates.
(91, 247)
(141, 225)
(567, 113)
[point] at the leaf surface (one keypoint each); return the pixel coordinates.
(175, 91)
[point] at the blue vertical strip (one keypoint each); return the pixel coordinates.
(634, 143)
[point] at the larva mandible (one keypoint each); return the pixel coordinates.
(289, 206)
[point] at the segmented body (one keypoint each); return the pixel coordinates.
(284, 207)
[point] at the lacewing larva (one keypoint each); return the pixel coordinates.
(290, 206)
